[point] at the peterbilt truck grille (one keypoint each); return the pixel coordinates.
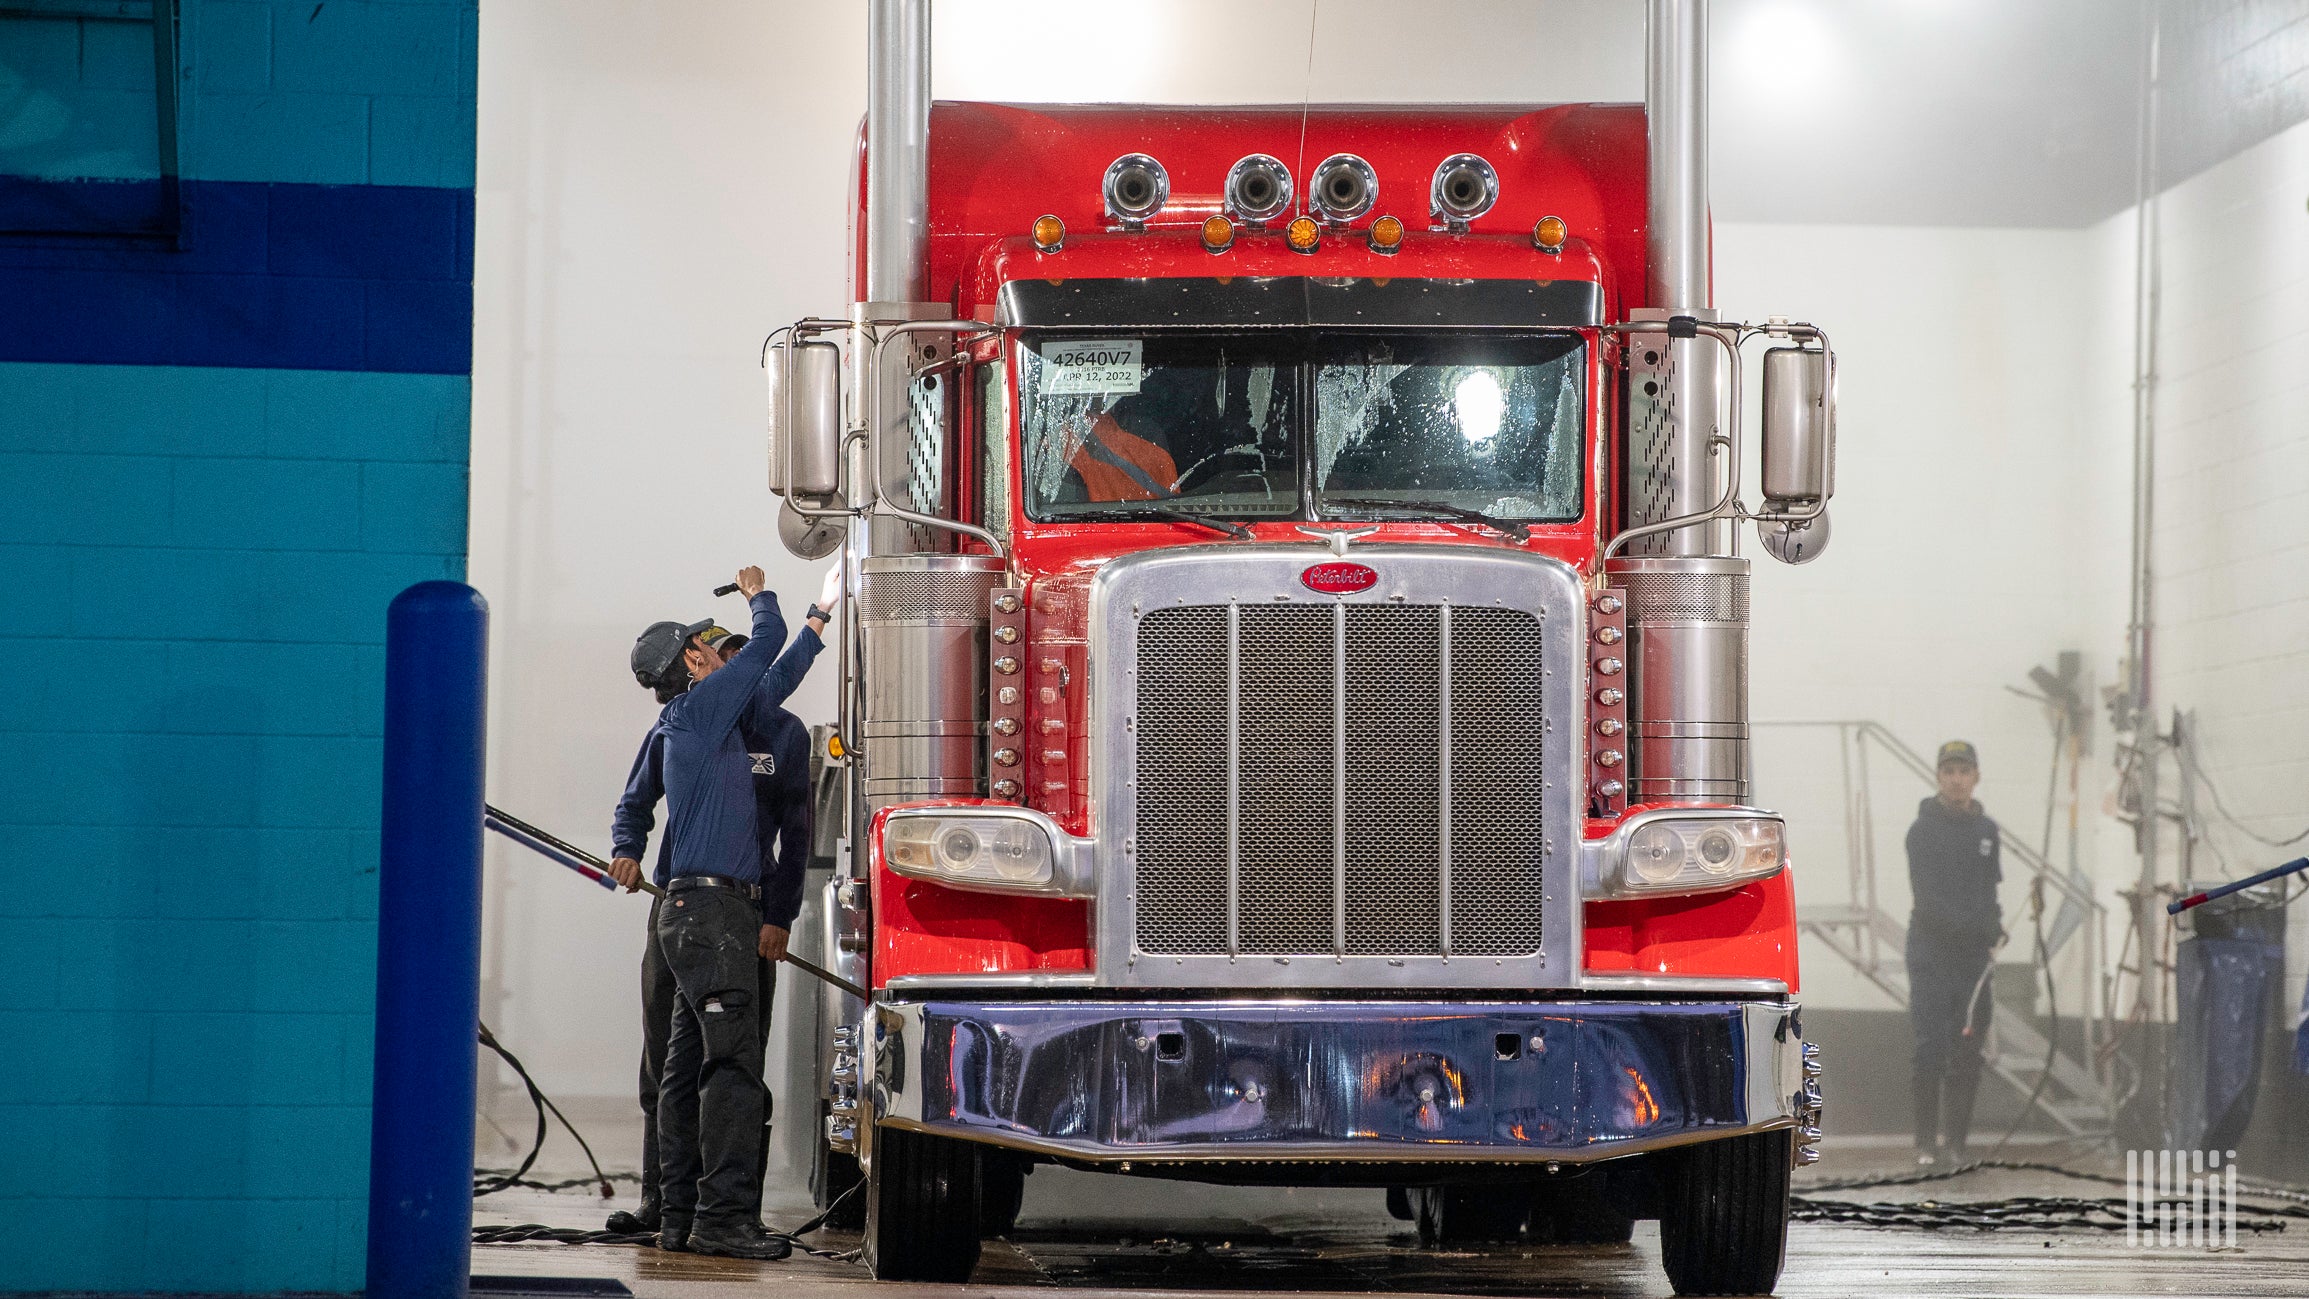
(1338, 779)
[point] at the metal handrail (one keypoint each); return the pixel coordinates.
(2029, 857)
(1855, 738)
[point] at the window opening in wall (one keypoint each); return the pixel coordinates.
(88, 118)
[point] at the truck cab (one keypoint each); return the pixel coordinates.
(1293, 717)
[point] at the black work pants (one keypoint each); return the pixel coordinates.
(711, 1124)
(1946, 996)
(657, 1001)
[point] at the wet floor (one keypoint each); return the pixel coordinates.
(1117, 1236)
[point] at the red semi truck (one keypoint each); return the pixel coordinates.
(1293, 723)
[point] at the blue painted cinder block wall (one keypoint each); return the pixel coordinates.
(217, 465)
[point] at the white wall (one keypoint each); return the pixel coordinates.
(659, 188)
(2232, 493)
(1961, 532)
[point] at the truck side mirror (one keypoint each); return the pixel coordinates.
(805, 391)
(1799, 429)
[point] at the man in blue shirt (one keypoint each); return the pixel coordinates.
(714, 929)
(780, 758)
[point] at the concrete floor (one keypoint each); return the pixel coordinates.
(1121, 1236)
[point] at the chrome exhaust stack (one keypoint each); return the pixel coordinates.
(1686, 587)
(897, 150)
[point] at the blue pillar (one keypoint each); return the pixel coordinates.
(428, 944)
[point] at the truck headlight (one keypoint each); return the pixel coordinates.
(1695, 851)
(1006, 850)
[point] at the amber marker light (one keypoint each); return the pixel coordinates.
(1386, 235)
(1302, 234)
(1218, 234)
(1049, 233)
(1549, 234)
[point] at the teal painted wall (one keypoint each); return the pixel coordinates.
(195, 562)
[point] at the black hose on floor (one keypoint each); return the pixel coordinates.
(2025, 1212)
(531, 1232)
(487, 1183)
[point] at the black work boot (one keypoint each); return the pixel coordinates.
(639, 1222)
(737, 1240)
(673, 1235)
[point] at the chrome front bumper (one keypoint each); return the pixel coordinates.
(1363, 1081)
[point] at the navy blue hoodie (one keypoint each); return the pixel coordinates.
(698, 755)
(1955, 860)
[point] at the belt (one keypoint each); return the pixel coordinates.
(682, 883)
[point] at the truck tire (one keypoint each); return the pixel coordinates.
(922, 1206)
(1579, 1211)
(1468, 1215)
(1002, 1190)
(1724, 1215)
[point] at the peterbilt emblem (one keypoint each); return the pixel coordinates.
(1339, 578)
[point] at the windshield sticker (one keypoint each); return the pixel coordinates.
(1104, 368)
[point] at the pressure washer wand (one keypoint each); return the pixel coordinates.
(597, 870)
(2180, 905)
(545, 845)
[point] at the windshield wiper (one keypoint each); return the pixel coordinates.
(1227, 526)
(1435, 510)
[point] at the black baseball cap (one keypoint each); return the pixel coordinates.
(656, 650)
(1959, 751)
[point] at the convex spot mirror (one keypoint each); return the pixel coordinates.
(810, 537)
(805, 396)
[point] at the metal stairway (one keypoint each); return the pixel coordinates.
(2074, 1098)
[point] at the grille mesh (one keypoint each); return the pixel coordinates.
(910, 595)
(1495, 720)
(1299, 887)
(1182, 857)
(1394, 840)
(1287, 799)
(1687, 597)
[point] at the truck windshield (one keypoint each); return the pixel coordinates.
(1371, 425)
(1197, 423)
(1471, 422)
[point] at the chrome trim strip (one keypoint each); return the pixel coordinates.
(1234, 782)
(932, 984)
(1339, 779)
(1614, 981)
(1443, 781)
